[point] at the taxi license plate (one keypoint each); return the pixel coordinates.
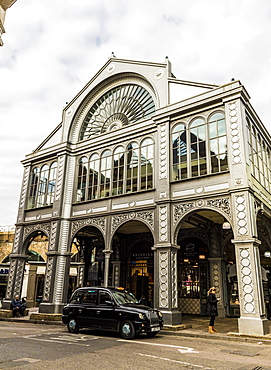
(155, 329)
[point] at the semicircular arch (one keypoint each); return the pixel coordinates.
(140, 225)
(100, 90)
(182, 213)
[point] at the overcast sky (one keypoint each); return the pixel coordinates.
(53, 48)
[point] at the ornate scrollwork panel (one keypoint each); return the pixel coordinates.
(180, 209)
(223, 204)
(99, 222)
(45, 227)
(146, 216)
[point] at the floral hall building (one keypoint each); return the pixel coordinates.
(156, 184)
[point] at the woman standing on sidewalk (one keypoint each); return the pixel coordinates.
(212, 308)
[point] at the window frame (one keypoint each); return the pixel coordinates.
(186, 127)
(42, 196)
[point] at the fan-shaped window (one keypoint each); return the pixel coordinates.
(118, 171)
(146, 168)
(120, 106)
(179, 143)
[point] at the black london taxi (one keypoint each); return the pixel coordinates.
(111, 309)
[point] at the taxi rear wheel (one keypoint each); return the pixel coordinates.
(72, 325)
(127, 330)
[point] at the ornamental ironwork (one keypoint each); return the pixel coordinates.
(118, 107)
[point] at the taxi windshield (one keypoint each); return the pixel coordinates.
(124, 297)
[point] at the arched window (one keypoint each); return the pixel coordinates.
(33, 189)
(198, 147)
(218, 143)
(82, 179)
(51, 183)
(146, 161)
(179, 145)
(43, 184)
(118, 171)
(118, 107)
(105, 172)
(132, 158)
(93, 176)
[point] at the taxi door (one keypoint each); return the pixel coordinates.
(107, 316)
(88, 310)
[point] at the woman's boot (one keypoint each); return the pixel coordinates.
(210, 330)
(214, 330)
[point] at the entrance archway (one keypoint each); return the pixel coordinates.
(87, 246)
(202, 258)
(35, 247)
(132, 262)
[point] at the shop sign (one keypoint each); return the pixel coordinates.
(190, 251)
(142, 255)
(4, 271)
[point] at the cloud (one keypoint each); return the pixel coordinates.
(53, 48)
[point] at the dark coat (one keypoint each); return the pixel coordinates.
(212, 305)
(16, 303)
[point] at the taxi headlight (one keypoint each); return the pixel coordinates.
(160, 315)
(141, 316)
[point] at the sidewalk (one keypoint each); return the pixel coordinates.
(192, 326)
(197, 326)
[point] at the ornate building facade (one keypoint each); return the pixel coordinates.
(159, 185)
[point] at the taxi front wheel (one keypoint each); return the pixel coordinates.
(73, 326)
(127, 330)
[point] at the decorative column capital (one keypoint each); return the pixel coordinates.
(107, 253)
(165, 245)
(256, 242)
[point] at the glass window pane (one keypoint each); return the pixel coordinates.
(212, 130)
(221, 127)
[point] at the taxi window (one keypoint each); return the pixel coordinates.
(104, 296)
(90, 297)
(77, 296)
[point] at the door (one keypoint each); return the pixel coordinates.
(107, 317)
(87, 316)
